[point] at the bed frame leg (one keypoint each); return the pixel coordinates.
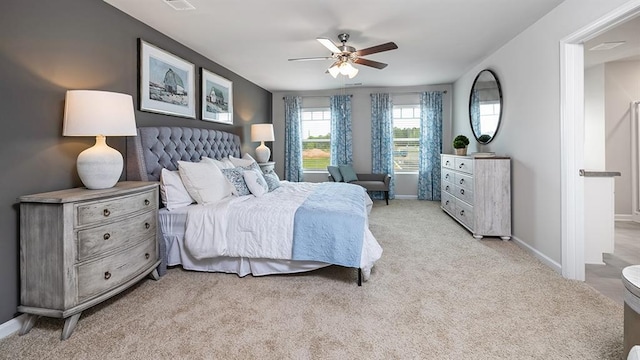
(359, 277)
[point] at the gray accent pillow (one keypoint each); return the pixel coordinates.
(348, 174)
(273, 182)
(236, 178)
(334, 171)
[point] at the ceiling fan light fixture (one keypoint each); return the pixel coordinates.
(334, 71)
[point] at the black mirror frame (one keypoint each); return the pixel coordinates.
(501, 109)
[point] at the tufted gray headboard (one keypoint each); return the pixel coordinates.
(161, 147)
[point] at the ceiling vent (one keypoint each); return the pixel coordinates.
(179, 4)
(607, 45)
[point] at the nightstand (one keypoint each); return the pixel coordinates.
(267, 166)
(79, 247)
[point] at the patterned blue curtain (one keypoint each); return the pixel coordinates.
(382, 140)
(292, 139)
(430, 145)
(474, 109)
(341, 138)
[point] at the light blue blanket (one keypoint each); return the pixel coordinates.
(329, 225)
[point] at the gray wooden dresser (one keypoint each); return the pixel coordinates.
(476, 192)
(79, 247)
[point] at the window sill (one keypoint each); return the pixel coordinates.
(315, 172)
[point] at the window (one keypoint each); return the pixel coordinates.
(406, 138)
(490, 114)
(316, 138)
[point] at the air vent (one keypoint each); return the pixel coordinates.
(353, 84)
(607, 45)
(180, 4)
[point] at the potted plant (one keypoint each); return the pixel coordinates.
(460, 144)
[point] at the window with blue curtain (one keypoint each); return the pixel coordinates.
(382, 140)
(341, 136)
(430, 145)
(292, 139)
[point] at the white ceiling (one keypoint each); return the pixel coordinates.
(438, 40)
(629, 32)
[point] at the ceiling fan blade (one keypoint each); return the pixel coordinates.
(329, 45)
(374, 64)
(312, 58)
(376, 49)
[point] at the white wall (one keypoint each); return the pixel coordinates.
(529, 71)
(406, 184)
(622, 86)
(594, 119)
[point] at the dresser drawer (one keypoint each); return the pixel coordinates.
(448, 162)
(463, 194)
(103, 239)
(464, 164)
(447, 175)
(99, 276)
(463, 181)
(448, 202)
(464, 213)
(98, 211)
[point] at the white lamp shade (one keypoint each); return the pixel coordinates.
(91, 113)
(262, 132)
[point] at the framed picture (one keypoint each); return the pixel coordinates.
(217, 98)
(167, 82)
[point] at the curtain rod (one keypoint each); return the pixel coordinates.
(317, 96)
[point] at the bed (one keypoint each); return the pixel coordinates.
(185, 232)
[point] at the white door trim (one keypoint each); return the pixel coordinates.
(572, 136)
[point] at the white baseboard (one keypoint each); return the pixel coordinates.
(406, 197)
(12, 326)
(540, 256)
(624, 217)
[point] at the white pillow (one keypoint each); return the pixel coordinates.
(255, 182)
(172, 191)
(245, 161)
(204, 181)
(221, 164)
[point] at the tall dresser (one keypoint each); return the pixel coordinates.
(79, 247)
(476, 192)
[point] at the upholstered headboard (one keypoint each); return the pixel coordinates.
(161, 147)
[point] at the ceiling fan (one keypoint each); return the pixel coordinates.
(344, 56)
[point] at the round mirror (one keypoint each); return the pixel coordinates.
(485, 106)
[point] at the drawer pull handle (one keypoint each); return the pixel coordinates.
(106, 236)
(461, 212)
(146, 256)
(447, 188)
(447, 202)
(462, 191)
(461, 165)
(106, 212)
(447, 162)
(461, 181)
(446, 176)
(107, 275)
(147, 225)
(147, 202)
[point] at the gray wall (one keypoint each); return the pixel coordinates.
(528, 67)
(621, 87)
(406, 184)
(48, 47)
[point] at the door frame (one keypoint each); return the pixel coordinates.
(572, 136)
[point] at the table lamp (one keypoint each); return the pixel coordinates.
(262, 133)
(99, 114)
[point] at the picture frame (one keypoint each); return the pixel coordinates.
(217, 98)
(166, 82)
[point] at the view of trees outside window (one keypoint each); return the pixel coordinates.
(316, 138)
(406, 138)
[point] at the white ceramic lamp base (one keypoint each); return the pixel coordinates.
(262, 153)
(100, 166)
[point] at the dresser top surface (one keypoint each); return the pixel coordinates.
(82, 194)
(471, 157)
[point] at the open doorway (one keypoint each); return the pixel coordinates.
(577, 154)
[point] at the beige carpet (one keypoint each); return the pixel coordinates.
(437, 293)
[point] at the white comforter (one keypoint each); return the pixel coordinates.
(257, 227)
